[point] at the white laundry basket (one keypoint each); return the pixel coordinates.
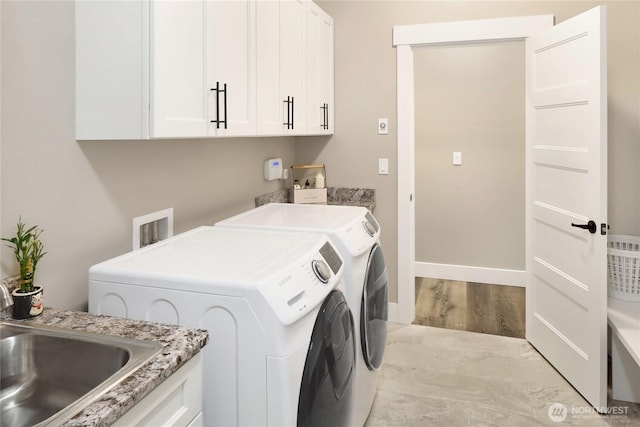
(623, 266)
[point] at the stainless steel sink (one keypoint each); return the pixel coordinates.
(48, 375)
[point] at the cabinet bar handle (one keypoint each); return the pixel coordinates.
(326, 111)
(289, 102)
(217, 121)
(292, 110)
(225, 105)
(325, 116)
(286, 101)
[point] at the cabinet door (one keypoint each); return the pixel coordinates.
(176, 402)
(292, 43)
(231, 61)
(268, 104)
(177, 65)
(319, 71)
(111, 100)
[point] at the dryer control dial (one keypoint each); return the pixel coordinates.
(321, 270)
(369, 228)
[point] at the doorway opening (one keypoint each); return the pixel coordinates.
(407, 39)
(470, 211)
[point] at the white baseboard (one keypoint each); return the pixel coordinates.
(393, 312)
(465, 273)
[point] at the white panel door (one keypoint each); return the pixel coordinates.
(178, 93)
(231, 61)
(567, 187)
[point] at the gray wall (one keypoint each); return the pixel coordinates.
(470, 98)
(365, 89)
(85, 194)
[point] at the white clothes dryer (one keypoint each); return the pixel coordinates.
(281, 350)
(356, 234)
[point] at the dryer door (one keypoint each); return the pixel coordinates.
(325, 393)
(374, 310)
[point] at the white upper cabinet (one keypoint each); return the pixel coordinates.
(292, 36)
(318, 71)
(280, 67)
(112, 92)
(270, 117)
(295, 69)
(231, 67)
(201, 68)
(177, 67)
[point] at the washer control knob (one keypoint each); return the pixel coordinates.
(368, 227)
(321, 270)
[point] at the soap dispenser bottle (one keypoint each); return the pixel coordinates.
(319, 183)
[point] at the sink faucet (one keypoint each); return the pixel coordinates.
(6, 300)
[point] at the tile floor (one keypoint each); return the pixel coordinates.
(440, 377)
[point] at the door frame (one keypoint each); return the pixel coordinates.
(405, 38)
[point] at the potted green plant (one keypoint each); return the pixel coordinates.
(28, 249)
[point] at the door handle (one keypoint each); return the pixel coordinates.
(591, 226)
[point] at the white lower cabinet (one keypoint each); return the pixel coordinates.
(176, 402)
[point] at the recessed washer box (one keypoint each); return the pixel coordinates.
(152, 228)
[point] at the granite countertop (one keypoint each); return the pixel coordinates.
(180, 345)
(344, 196)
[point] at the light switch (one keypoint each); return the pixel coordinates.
(383, 166)
(457, 158)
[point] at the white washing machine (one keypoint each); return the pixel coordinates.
(356, 234)
(281, 348)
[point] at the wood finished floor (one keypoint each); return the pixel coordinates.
(473, 307)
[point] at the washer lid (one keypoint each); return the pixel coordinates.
(211, 253)
(354, 227)
(266, 267)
